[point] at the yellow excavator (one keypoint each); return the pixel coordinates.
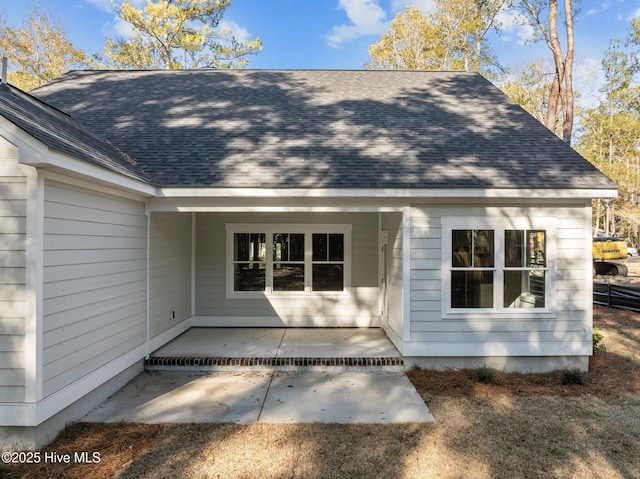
(609, 255)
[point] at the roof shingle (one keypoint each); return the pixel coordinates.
(60, 132)
(321, 129)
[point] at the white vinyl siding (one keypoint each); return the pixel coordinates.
(563, 332)
(358, 308)
(13, 191)
(169, 271)
(94, 291)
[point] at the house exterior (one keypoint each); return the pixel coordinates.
(136, 205)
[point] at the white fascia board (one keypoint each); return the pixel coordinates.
(86, 170)
(28, 147)
(269, 205)
(412, 193)
(32, 152)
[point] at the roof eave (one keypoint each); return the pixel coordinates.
(60, 162)
(409, 193)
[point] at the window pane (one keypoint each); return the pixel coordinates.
(336, 247)
(524, 289)
(472, 289)
(483, 248)
(320, 247)
(328, 277)
(250, 247)
(288, 247)
(536, 250)
(296, 247)
(249, 277)
(280, 247)
(514, 248)
(241, 247)
(461, 243)
(288, 277)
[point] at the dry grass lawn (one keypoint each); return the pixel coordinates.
(528, 426)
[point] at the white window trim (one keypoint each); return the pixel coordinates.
(294, 228)
(499, 225)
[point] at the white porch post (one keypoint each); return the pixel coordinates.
(193, 263)
(34, 287)
(406, 273)
(148, 286)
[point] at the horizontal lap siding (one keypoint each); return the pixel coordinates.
(94, 281)
(170, 271)
(427, 325)
(13, 193)
(211, 271)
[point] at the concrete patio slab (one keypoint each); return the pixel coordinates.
(224, 343)
(278, 397)
(336, 342)
(347, 397)
(179, 397)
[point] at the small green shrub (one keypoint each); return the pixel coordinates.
(572, 376)
(597, 345)
(486, 375)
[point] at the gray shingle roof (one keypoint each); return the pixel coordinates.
(62, 133)
(321, 129)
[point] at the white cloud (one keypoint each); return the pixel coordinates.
(121, 28)
(109, 5)
(104, 5)
(603, 7)
(516, 23)
(239, 33)
(367, 18)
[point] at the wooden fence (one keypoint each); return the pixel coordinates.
(617, 295)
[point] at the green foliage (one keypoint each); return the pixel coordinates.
(572, 376)
(177, 34)
(597, 338)
(39, 50)
(451, 37)
(486, 375)
(529, 86)
(609, 137)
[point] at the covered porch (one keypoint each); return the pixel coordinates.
(278, 348)
(198, 279)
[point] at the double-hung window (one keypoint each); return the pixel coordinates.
(287, 259)
(497, 266)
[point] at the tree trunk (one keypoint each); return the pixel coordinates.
(567, 127)
(556, 86)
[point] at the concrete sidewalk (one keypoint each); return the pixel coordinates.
(268, 397)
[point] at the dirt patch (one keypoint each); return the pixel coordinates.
(520, 427)
(616, 371)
